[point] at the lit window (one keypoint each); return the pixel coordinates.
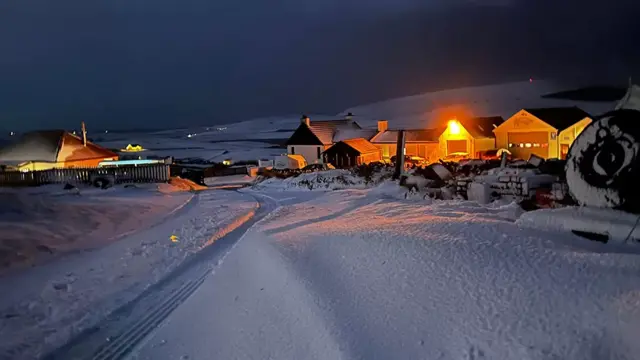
(521, 145)
(527, 145)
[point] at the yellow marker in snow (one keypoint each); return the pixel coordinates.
(173, 238)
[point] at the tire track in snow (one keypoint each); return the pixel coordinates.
(126, 327)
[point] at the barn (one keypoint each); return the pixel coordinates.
(545, 132)
(352, 152)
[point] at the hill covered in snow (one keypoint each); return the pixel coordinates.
(423, 110)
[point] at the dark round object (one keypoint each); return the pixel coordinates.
(603, 163)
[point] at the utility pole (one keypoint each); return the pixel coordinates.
(84, 134)
(399, 155)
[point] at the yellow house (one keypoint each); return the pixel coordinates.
(469, 136)
(418, 142)
(546, 132)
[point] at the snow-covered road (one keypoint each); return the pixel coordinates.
(43, 307)
(355, 275)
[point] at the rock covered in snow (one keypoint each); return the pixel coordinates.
(480, 192)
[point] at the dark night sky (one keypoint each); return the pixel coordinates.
(161, 63)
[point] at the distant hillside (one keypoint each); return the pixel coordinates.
(423, 110)
(590, 93)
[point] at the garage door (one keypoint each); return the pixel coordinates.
(457, 146)
(522, 145)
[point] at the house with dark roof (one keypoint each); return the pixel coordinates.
(545, 132)
(42, 150)
(469, 136)
(312, 138)
(352, 152)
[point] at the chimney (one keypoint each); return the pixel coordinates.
(305, 120)
(84, 135)
(383, 125)
(349, 116)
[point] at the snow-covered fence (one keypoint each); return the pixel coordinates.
(125, 174)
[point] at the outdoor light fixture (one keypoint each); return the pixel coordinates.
(454, 127)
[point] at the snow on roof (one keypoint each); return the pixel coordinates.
(391, 136)
(482, 127)
(559, 117)
(34, 146)
(349, 133)
(361, 145)
(324, 130)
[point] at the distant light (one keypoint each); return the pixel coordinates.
(189, 135)
(226, 162)
(106, 131)
(530, 80)
(74, 132)
(454, 127)
(12, 133)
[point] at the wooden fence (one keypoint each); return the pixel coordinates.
(121, 175)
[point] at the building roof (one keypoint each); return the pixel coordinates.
(482, 127)
(326, 129)
(424, 135)
(346, 134)
(51, 146)
(322, 132)
(361, 145)
(559, 117)
(34, 146)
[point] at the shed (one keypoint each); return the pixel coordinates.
(352, 152)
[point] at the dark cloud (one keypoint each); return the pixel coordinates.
(166, 63)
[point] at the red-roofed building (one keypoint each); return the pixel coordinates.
(42, 150)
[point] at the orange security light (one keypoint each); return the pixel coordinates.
(454, 127)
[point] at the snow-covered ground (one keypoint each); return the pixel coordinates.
(43, 223)
(43, 307)
(356, 275)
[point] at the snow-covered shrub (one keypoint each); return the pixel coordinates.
(373, 173)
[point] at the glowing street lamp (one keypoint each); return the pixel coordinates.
(454, 127)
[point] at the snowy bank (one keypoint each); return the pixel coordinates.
(44, 306)
(38, 224)
(618, 226)
(315, 181)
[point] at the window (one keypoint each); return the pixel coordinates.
(293, 150)
(319, 152)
